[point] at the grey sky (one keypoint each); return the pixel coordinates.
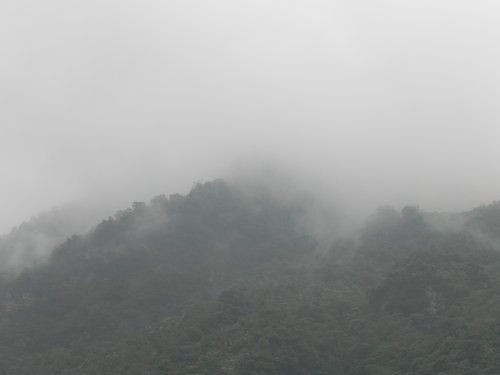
(378, 101)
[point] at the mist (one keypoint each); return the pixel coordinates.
(369, 103)
(35, 238)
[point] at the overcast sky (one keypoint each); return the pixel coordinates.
(391, 102)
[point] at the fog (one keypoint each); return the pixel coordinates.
(109, 102)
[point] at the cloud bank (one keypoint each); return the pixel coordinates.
(378, 103)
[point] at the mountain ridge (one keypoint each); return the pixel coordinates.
(222, 281)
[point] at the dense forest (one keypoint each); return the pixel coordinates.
(34, 239)
(230, 281)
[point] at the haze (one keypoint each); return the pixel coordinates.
(386, 102)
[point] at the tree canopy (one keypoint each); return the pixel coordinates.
(224, 282)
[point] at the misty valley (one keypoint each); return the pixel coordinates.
(234, 279)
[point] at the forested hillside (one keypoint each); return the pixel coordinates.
(224, 281)
(32, 241)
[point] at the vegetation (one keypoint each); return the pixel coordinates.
(32, 241)
(226, 282)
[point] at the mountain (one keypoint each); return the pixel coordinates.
(228, 280)
(32, 241)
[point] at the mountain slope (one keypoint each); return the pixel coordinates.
(32, 241)
(226, 282)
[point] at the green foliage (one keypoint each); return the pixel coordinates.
(223, 282)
